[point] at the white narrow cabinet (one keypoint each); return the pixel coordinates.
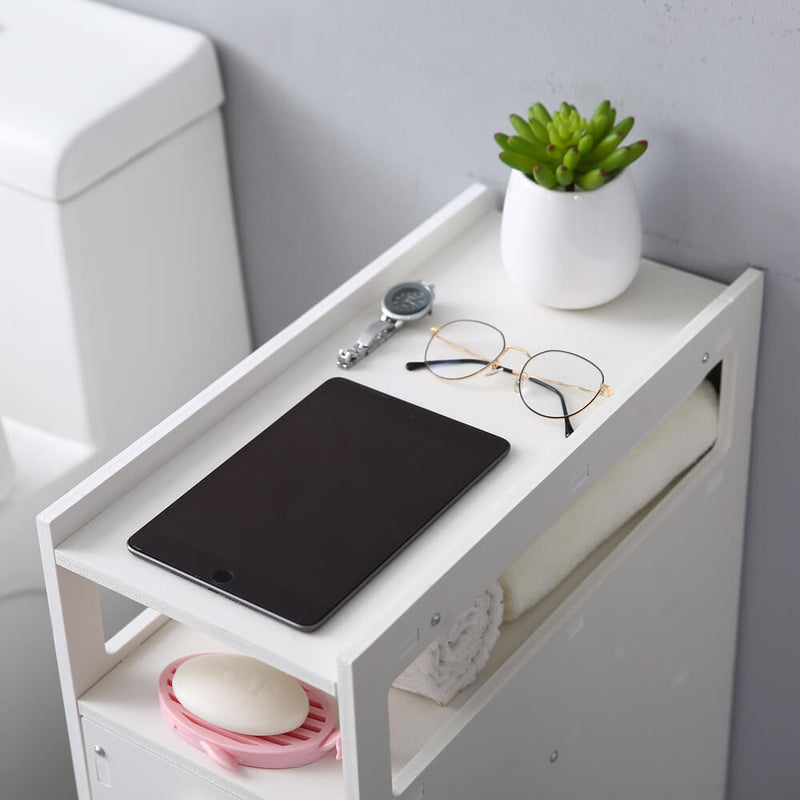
(618, 687)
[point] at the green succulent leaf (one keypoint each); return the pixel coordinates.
(586, 144)
(517, 161)
(606, 146)
(539, 131)
(564, 175)
(593, 179)
(612, 116)
(572, 158)
(556, 154)
(636, 150)
(603, 108)
(615, 160)
(544, 176)
(533, 150)
(555, 137)
(522, 128)
(624, 127)
(597, 127)
(603, 119)
(502, 140)
(538, 112)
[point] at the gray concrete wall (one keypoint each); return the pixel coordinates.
(350, 121)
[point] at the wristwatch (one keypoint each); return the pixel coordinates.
(402, 303)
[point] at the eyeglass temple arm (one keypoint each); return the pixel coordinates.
(414, 365)
(568, 429)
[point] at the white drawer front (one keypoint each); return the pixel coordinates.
(122, 770)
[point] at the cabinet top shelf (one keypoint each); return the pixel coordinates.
(459, 252)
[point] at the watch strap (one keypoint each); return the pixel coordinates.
(374, 336)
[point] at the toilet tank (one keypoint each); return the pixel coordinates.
(120, 285)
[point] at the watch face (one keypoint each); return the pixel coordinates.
(407, 300)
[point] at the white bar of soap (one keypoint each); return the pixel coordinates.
(240, 694)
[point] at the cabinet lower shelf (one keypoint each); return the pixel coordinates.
(125, 702)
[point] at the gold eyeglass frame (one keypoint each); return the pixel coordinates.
(494, 367)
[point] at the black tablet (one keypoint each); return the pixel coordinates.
(303, 515)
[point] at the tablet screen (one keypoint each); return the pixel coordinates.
(304, 514)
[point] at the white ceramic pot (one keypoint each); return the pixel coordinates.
(571, 249)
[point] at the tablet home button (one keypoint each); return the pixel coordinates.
(222, 576)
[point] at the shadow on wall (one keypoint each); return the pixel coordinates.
(315, 204)
(711, 218)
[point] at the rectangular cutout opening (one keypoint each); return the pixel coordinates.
(419, 727)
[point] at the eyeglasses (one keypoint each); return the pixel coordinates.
(555, 384)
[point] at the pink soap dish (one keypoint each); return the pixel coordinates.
(312, 740)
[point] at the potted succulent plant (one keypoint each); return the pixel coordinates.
(571, 232)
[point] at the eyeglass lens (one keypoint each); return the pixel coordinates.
(463, 348)
(557, 383)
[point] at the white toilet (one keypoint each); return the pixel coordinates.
(120, 294)
(115, 219)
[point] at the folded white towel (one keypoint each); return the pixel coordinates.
(456, 658)
(630, 485)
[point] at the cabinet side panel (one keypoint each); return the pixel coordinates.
(636, 665)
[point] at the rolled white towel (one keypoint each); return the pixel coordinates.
(673, 446)
(456, 658)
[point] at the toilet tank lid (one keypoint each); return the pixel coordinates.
(84, 88)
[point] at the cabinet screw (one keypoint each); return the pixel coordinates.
(704, 358)
(99, 750)
(436, 618)
(554, 756)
